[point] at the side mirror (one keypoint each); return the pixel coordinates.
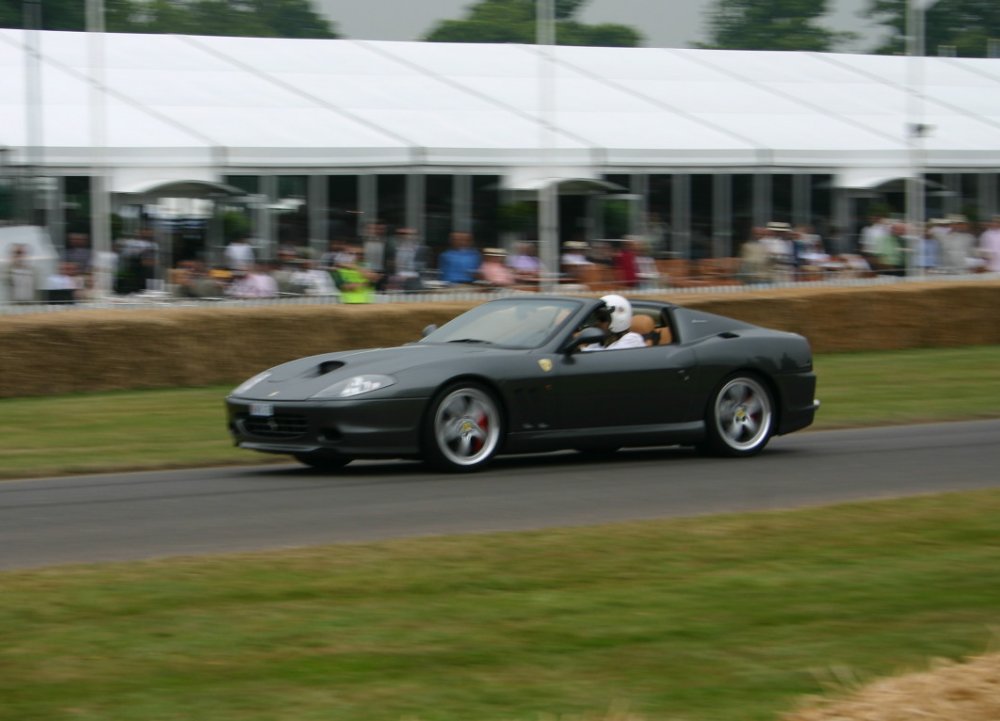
(428, 330)
(587, 336)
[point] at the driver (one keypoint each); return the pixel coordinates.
(615, 317)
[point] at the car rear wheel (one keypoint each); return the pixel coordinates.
(463, 428)
(740, 417)
(323, 461)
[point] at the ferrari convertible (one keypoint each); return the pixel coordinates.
(514, 376)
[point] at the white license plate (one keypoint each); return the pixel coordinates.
(262, 409)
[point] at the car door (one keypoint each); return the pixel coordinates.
(629, 387)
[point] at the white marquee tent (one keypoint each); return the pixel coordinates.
(160, 108)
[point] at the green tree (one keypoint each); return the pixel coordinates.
(565, 9)
(771, 25)
(966, 25)
(67, 14)
(11, 15)
(252, 18)
(513, 21)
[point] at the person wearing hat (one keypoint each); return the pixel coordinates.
(956, 246)
(755, 261)
(780, 248)
(493, 272)
(574, 264)
(574, 253)
(525, 263)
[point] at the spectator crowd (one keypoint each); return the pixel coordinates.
(400, 261)
(780, 252)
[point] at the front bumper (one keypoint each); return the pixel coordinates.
(799, 404)
(355, 428)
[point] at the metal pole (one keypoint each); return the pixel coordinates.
(548, 194)
(915, 128)
(100, 225)
(32, 16)
(722, 215)
(461, 194)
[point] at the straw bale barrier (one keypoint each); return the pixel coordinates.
(950, 691)
(890, 317)
(100, 350)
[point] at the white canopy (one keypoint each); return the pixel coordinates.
(197, 108)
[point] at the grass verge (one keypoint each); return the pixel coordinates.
(729, 618)
(176, 428)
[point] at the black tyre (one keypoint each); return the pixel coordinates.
(740, 417)
(463, 429)
(323, 461)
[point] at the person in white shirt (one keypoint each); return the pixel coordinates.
(957, 246)
(989, 245)
(312, 280)
(63, 286)
(21, 278)
(780, 248)
(256, 283)
(615, 317)
(64, 278)
(872, 235)
(239, 255)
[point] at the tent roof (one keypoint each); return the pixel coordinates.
(225, 104)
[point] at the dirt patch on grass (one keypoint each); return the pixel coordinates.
(967, 691)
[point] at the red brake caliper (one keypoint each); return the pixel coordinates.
(483, 424)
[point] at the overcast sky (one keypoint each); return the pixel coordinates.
(663, 23)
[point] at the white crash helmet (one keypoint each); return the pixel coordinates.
(621, 313)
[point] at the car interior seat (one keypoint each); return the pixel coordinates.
(646, 327)
(653, 334)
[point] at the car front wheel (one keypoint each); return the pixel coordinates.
(740, 417)
(463, 429)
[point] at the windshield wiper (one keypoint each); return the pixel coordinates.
(470, 340)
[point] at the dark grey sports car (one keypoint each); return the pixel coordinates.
(509, 376)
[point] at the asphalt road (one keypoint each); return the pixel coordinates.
(146, 515)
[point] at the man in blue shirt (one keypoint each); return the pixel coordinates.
(460, 264)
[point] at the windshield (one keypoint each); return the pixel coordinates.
(513, 323)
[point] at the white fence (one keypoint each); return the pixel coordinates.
(163, 300)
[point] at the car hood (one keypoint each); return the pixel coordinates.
(303, 378)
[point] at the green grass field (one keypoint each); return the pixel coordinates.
(729, 618)
(174, 428)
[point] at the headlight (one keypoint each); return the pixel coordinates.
(356, 386)
(247, 385)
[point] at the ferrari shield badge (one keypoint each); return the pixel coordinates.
(545, 364)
